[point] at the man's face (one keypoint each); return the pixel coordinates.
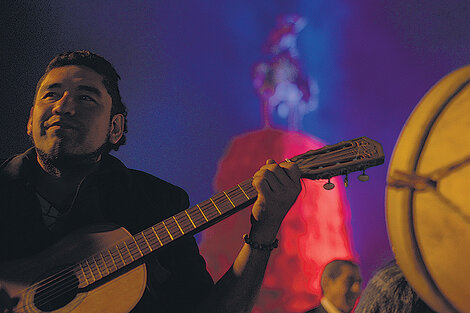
(344, 289)
(71, 112)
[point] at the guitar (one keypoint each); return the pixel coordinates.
(89, 269)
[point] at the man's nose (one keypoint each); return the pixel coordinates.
(65, 105)
(356, 287)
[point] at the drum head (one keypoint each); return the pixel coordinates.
(428, 195)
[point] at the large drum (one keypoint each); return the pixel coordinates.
(428, 195)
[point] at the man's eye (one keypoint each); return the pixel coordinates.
(49, 95)
(86, 98)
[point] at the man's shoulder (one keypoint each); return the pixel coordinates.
(140, 180)
(145, 181)
(14, 166)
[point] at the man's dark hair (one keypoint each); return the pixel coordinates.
(388, 291)
(333, 269)
(110, 80)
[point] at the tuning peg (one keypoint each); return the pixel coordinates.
(329, 185)
(346, 181)
(363, 176)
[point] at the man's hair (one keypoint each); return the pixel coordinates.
(333, 269)
(110, 81)
(388, 291)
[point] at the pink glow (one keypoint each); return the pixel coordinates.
(314, 232)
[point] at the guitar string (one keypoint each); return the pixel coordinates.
(52, 294)
(50, 287)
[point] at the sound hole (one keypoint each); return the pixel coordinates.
(56, 291)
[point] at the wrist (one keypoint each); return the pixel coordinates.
(263, 233)
(260, 246)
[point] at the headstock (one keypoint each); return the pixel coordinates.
(340, 159)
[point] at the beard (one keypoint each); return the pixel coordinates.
(58, 162)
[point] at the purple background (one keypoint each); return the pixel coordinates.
(186, 78)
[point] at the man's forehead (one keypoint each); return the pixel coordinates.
(350, 270)
(75, 74)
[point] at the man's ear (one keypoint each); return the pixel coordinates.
(29, 126)
(117, 128)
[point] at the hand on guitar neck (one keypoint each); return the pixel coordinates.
(278, 187)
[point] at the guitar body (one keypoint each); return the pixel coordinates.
(115, 295)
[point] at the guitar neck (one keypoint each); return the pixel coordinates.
(196, 218)
(187, 222)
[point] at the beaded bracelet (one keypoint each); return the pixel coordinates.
(260, 246)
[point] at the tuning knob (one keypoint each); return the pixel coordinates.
(363, 176)
(346, 181)
(329, 185)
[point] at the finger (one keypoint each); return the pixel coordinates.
(292, 171)
(270, 161)
(267, 178)
(285, 173)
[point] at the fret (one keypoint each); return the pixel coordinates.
(196, 216)
(133, 249)
(233, 205)
(138, 245)
(94, 268)
(185, 211)
(112, 259)
(120, 257)
(163, 234)
(91, 271)
(215, 205)
(129, 251)
(173, 228)
(161, 244)
(134, 246)
(248, 188)
(248, 198)
(100, 265)
(237, 196)
(87, 272)
(183, 222)
(209, 210)
(147, 242)
(224, 204)
(125, 253)
(152, 238)
(167, 230)
(105, 264)
(181, 230)
(200, 210)
(83, 281)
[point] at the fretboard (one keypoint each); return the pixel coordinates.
(187, 222)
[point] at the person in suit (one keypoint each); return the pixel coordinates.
(341, 286)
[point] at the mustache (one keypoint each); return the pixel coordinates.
(60, 121)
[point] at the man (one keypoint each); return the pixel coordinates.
(341, 286)
(68, 180)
